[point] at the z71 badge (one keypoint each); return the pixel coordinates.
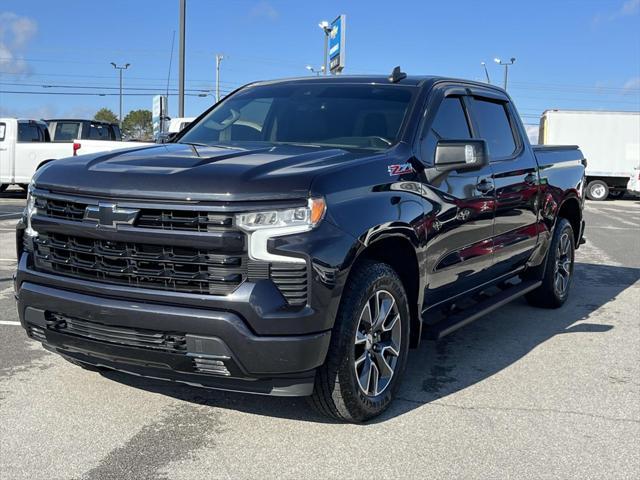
(400, 169)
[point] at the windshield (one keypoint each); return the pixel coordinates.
(329, 115)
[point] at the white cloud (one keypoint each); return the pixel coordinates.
(15, 34)
(532, 133)
(629, 7)
(264, 9)
(631, 85)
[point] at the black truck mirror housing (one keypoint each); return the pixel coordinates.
(461, 155)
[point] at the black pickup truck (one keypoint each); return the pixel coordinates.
(299, 237)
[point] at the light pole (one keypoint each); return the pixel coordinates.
(181, 48)
(219, 59)
(326, 28)
(120, 69)
(486, 72)
(512, 60)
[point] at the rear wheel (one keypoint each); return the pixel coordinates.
(597, 190)
(368, 349)
(616, 194)
(558, 273)
(3, 187)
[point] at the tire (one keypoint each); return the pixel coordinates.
(3, 187)
(554, 291)
(353, 392)
(616, 194)
(597, 190)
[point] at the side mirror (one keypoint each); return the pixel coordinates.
(461, 155)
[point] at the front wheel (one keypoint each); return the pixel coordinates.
(369, 346)
(558, 273)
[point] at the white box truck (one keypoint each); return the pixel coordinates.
(610, 142)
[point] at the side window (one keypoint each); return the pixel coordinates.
(450, 123)
(99, 132)
(29, 132)
(493, 126)
(3, 129)
(66, 131)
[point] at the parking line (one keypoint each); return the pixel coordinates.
(17, 214)
(7, 322)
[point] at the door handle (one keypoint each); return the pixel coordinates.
(530, 179)
(3, 149)
(484, 186)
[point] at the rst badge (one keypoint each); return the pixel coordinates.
(400, 169)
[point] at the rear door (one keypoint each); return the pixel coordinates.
(460, 220)
(515, 178)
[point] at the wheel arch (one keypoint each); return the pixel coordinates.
(399, 251)
(570, 209)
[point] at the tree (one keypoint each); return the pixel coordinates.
(137, 125)
(105, 115)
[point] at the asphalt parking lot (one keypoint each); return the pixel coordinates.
(522, 393)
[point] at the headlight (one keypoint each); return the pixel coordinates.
(262, 226)
(29, 211)
(308, 216)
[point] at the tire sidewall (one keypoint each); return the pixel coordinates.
(366, 407)
(563, 227)
(593, 184)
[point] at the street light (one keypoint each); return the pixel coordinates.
(486, 72)
(314, 70)
(506, 68)
(326, 28)
(120, 69)
(219, 59)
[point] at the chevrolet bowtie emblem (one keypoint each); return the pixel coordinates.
(109, 215)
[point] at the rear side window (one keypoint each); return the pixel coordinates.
(494, 127)
(3, 129)
(66, 131)
(31, 132)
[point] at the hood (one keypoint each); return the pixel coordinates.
(183, 172)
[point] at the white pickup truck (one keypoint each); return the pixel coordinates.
(25, 146)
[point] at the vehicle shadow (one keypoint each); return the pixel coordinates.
(464, 358)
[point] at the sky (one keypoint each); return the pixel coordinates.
(570, 54)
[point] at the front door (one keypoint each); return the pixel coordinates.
(460, 209)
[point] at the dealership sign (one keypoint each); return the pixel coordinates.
(337, 44)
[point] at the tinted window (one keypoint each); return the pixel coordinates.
(66, 131)
(30, 132)
(338, 115)
(494, 127)
(3, 128)
(99, 132)
(451, 122)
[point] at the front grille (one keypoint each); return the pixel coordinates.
(152, 218)
(162, 267)
(291, 280)
(141, 338)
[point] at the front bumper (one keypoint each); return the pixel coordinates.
(276, 365)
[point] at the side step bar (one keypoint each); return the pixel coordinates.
(459, 320)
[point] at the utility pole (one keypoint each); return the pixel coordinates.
(486, 72)
(120, 69)
(183, 12)
(326, 28)
(219, 59)
(506, 68)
